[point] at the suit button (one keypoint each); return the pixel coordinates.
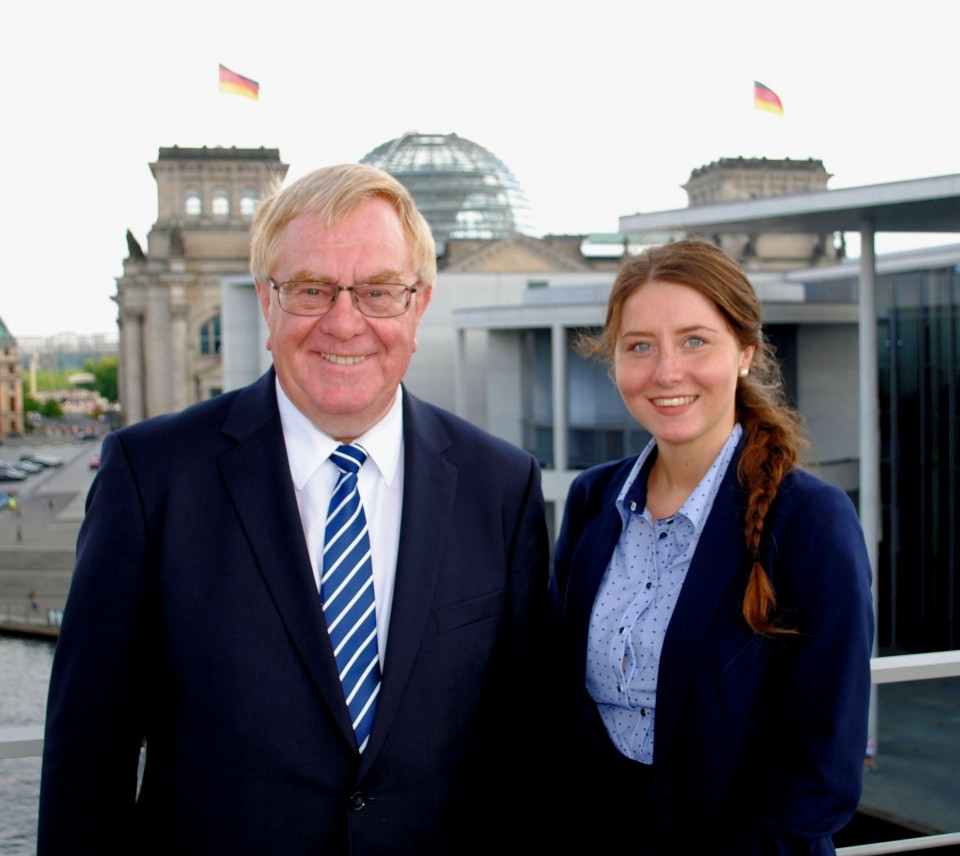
(357, 801)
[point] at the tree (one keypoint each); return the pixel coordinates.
(51, 409)
(105, 371)
(30, 404)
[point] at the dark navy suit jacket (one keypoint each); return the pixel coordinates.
(193, 621)
(760, 741)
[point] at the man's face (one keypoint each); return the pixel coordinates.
(342, 369)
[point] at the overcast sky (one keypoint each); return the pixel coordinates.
(599, 108)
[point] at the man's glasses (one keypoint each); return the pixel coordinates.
(383, 300)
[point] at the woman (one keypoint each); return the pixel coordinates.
(713, 598)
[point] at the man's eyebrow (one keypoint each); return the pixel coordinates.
(385, 276)
(304, 275)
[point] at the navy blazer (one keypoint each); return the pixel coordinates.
(193, 622)
(760, 741)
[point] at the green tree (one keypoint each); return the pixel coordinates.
(30, 404)
(105, 371)
(51, 409)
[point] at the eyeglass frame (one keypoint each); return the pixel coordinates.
(410, 290)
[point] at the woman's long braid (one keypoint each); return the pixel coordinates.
(771, 450)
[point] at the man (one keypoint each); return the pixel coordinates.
(200, 621)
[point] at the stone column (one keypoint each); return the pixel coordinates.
(131, 366)
(157, 350)
(181, 390)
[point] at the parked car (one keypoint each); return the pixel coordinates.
(28, 467)
(11, 465)
(11, 474)
(43, 459)
(95, 462)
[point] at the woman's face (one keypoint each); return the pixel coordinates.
(677, 364)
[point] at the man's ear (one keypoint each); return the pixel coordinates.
(263, 295)
(424, 293)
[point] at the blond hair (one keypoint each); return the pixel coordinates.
(333, 193)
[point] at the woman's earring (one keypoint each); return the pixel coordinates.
(744, 371)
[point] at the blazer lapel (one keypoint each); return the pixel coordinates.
(718, 563)
(257, 475)
(587, 567)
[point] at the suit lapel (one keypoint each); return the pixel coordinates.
(257, 475)
(429, 488)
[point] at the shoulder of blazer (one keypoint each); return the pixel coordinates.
(598, 487)
(205, 428)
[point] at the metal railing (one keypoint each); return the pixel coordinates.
(892, 670)
(27, 741)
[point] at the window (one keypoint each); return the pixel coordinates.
(221, 202)
(210, 336)
(193, 205)
(248, 201)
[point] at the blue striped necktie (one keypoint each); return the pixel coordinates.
(346, 591)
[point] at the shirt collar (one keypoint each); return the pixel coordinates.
(633, 495)
(308, 447)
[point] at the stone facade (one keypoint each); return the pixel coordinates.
(11, 384)
(731, 179)
(169, 294)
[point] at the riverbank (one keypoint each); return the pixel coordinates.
(29, 630)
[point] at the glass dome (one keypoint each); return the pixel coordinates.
(463, 190)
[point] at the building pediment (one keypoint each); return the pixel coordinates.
(514, 254)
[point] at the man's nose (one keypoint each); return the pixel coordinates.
(343, 315)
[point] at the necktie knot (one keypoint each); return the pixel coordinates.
(348, 458)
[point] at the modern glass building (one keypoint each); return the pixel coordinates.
(918, 359)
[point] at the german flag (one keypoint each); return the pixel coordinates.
(765, 98)
(237, 84)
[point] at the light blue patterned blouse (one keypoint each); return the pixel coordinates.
(636, 598)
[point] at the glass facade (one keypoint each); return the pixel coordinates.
(919, 388)
(537, 385)
(600, 428)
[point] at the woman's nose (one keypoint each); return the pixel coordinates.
(668, 367)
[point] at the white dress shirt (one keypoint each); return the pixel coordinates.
(380, 482)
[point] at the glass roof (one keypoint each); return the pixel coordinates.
(463, 190)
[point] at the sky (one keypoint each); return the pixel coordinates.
(600, 109)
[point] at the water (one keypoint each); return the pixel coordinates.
(24, 675)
